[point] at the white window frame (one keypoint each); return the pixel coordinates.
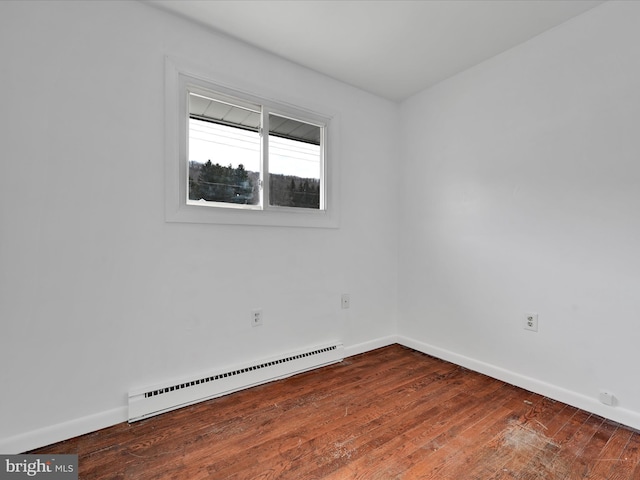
(180, 79)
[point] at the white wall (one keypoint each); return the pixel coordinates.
(98, 294)
(522, 193)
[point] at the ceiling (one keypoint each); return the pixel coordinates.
(393, 49)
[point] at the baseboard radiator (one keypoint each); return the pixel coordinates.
(154, 400)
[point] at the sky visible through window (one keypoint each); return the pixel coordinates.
(228, 145)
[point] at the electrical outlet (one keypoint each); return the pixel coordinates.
(346, 300)
(256, 318)
(531, 321)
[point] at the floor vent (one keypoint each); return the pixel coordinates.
(146, 402)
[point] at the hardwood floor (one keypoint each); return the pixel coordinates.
(388, 414)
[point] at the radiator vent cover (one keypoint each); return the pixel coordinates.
(149, 401)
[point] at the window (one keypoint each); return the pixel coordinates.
(234, 157)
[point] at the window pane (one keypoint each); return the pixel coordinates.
(224, 152)
(295, 163)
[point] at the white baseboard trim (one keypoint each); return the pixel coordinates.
(370, 345)
(62, 431)
(624, 416)
(81, 426)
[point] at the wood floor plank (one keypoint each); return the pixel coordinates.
(340, 414)
(464, 455)
(390, 447)
(515, 444)
(568, 440)
(529, 448)
(629, 460)
(584, 462)
(346, 439)
(610, 454)
(392, 413)
(245, 425)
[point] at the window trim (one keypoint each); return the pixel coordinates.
(179, 77)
